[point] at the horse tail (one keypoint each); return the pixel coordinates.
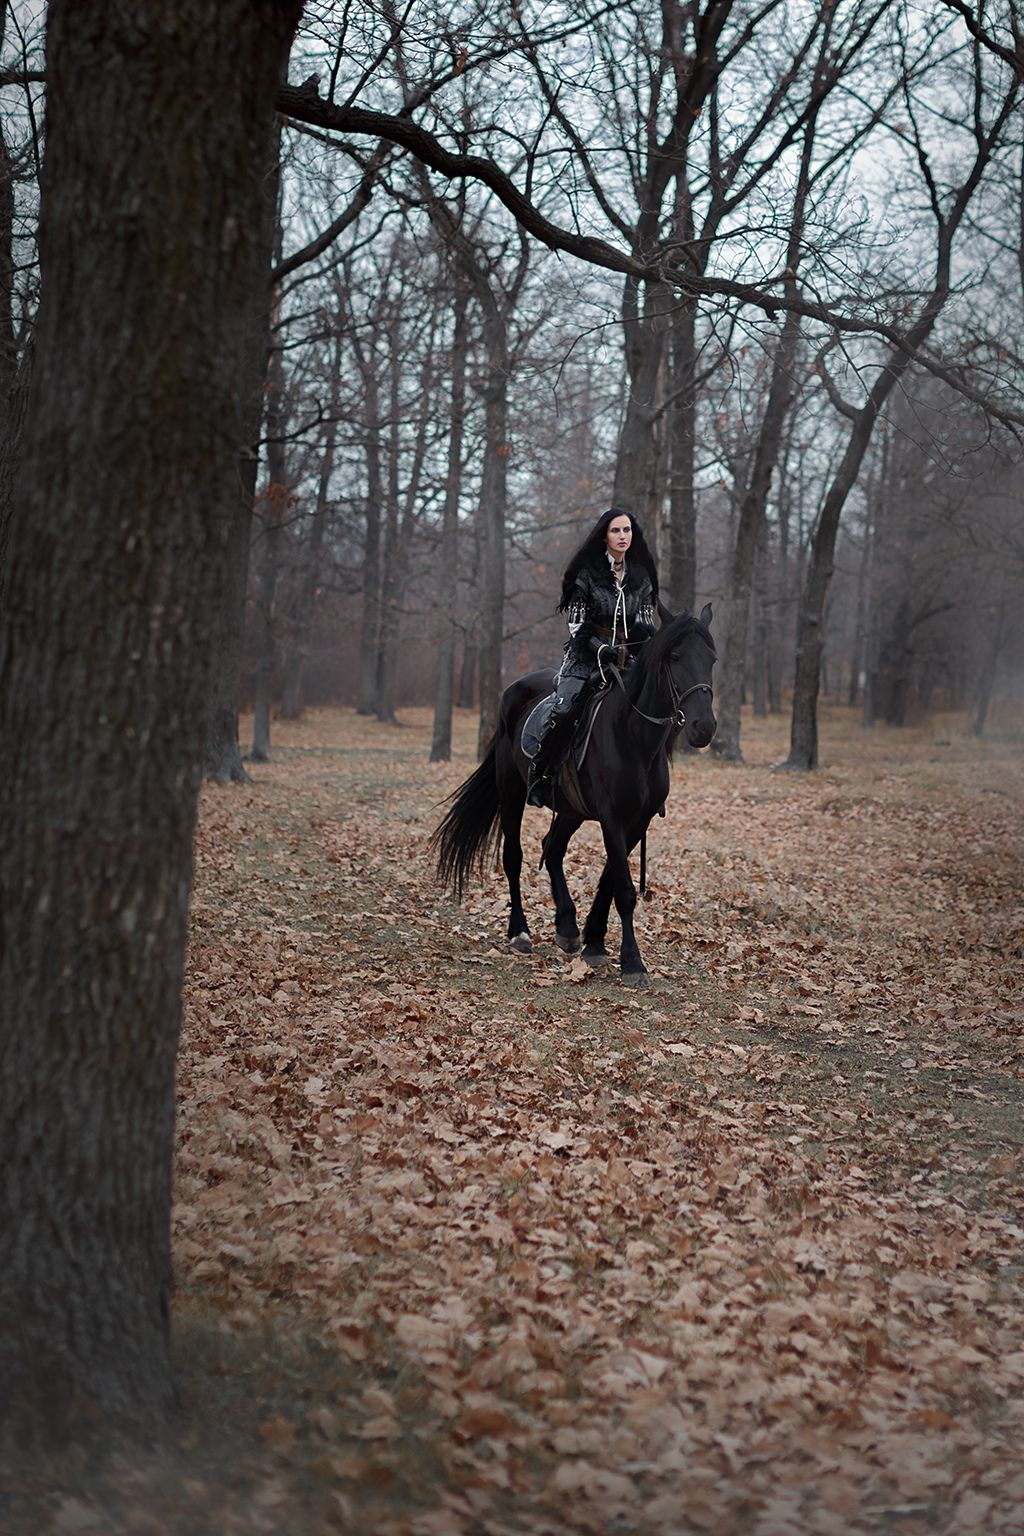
(470, 828)
(643, 865)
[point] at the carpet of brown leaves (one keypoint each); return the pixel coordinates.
(473, 1244)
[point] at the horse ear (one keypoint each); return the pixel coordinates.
(706, 616)
(664, 614)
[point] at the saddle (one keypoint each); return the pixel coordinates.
(566, 773)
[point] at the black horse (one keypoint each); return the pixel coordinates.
(623, 778)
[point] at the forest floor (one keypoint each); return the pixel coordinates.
(473, 1244)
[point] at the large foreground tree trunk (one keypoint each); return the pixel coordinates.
(149, 245)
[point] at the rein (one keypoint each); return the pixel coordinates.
(678, 700)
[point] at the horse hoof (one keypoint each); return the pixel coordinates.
(522, 944)
(639, 980)
(598, 960)
(570, 945)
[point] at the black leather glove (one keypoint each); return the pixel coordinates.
(611, 655)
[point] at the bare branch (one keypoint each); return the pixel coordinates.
(1012, 56)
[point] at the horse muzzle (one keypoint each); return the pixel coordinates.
(699, 723)
(700, 732)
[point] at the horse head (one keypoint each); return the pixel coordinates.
(684, 652)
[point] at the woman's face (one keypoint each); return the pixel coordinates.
(619, 536)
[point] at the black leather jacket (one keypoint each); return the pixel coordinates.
(605, 614)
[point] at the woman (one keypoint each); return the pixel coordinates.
(609, 598)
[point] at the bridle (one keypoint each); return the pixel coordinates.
(679, 700)
(678, 718)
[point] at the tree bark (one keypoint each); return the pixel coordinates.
(645, 313)
(8, 340)
(117, 562)
(13, 381)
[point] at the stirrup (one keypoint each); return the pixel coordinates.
(535, 781)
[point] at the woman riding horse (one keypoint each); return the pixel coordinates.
(609, 598)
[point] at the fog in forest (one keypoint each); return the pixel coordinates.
(763, 288)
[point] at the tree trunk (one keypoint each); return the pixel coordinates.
(392, 575)
(988, 675)
(10, 449)
(275, 502)
(467, 693)
(803, 742)
(679, 564)
(368, 690)
(300, 617)
(13, 381)
(759, 684)
(8, 342)
(402, 505)
(754, 502)
(891, 679)
(150, 252)
(645, 328)
(748, 537)
(441, 745)
(223, 754)
(803, 750)
(265, 638)
(491, 518)
(857, 654)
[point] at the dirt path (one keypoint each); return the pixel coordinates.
(475, 1243)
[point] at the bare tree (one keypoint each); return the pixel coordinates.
(447, 585)
(223, 755)
(272, 508)
(308, 578)
(948, 214)
(150, 251)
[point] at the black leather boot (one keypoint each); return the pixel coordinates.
(537, 778)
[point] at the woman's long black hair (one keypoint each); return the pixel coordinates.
(594, 549)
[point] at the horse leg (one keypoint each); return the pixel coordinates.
(634, 972)
(567, 933)
(513, 803)
(595, 928)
